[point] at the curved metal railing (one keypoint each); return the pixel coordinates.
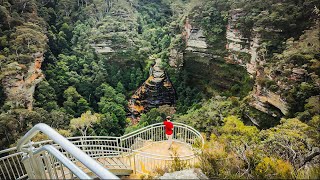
(43, 165)
(147, 162)
(123, 152)
(70, 148)
(155, 132)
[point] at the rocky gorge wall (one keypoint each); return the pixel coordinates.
(250, 53)
(19, 84)
(212, 71)
(206, 69)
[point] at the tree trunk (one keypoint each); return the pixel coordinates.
(309, 158)
(7, 137)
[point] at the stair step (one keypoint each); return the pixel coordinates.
(121, 172)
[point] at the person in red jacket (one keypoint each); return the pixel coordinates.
(169, 130)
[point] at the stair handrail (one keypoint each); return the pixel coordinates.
(85, 159)
(63, 159)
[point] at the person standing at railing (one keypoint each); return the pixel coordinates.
(169, 130)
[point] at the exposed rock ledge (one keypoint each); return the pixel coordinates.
(195, 37)
(19, 86)
(263, 98)
(185, 174)
(156, 91)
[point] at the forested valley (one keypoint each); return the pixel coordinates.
(244, 73)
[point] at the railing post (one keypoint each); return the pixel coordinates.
(134, 164)
(33, 165)
(185, 134)
(28, 166)
(81, 141)
(119, 146)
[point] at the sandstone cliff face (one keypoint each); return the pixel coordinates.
(19, 84)
(115, 35)
(195, 38)
(242, 50)
(248, 52)
(175, 58)
(156, 91)
(205, 67)
(262, 97)
(195, 42)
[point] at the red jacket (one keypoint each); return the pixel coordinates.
(168, 127)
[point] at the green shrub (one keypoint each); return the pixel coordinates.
(272, 168)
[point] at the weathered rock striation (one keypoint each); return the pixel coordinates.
(157, 90)
(248, 52)
(204, 63)
(19, 84)
(115, 35)
(242, 50)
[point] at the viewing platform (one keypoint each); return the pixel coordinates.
(88, 157)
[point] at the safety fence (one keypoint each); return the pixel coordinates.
(125, 152)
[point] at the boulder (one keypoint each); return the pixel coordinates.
(185, 174)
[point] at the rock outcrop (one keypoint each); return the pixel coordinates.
(156, 91)
(203, 62)
(115, 35)
(248, 52)
(262, 102)
(185, 174)
(262, 98)
(175, 58)
(102, 48)
(195, 40)
(242, 50)
(19, 84)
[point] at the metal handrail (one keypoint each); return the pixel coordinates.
(63, 159)
(161, 124)
(108, 147)
(86, 160)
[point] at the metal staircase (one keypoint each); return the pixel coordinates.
(89, 157)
